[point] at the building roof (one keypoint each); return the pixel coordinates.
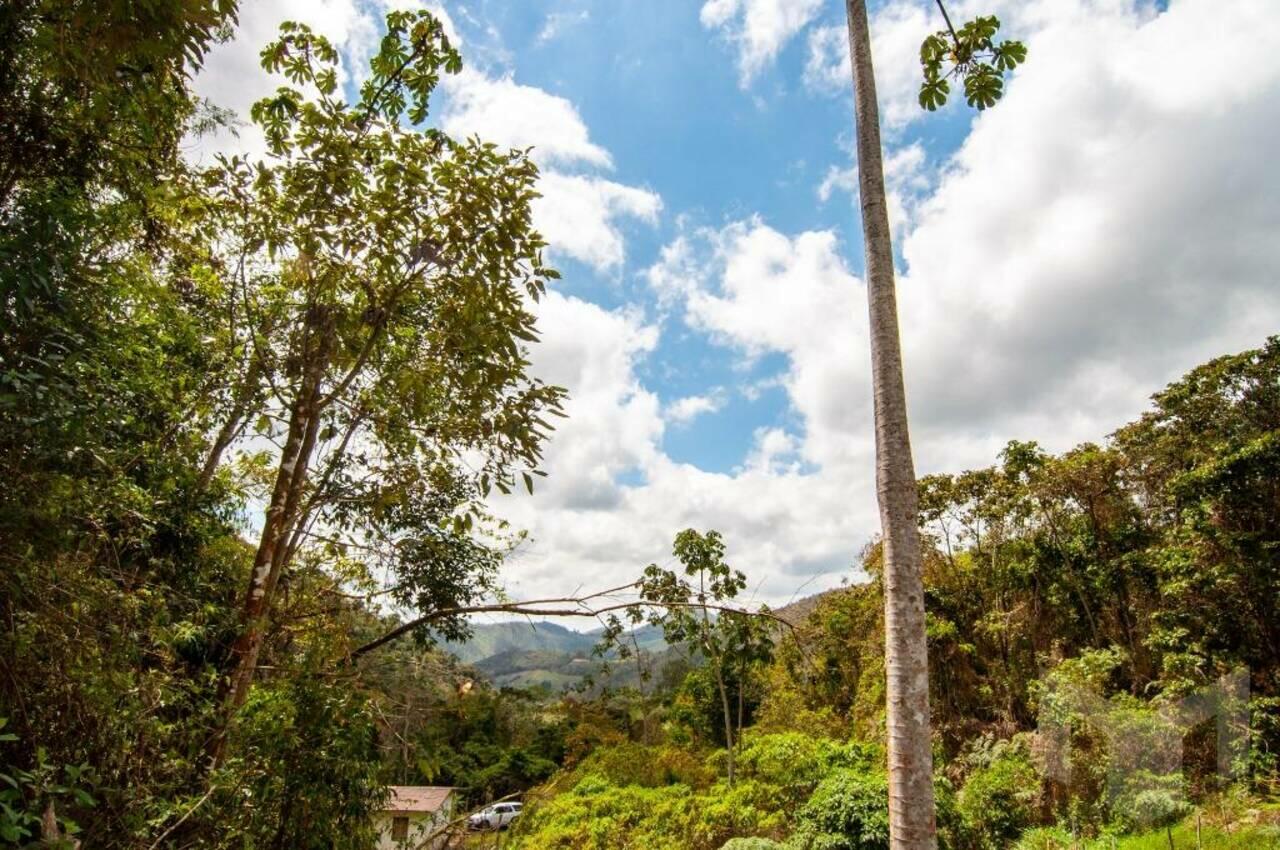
(417, 798)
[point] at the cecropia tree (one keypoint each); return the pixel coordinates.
(377, 282)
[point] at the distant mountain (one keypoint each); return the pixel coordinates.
(490, 639)
(798, 611)
(524, 654)
(533, 667)
(647, 638)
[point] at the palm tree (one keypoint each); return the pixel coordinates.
(911, 807)
(975, 57)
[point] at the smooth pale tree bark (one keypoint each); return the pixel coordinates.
(282, 517)
(911, 806)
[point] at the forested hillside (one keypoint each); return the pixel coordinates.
(1138, 571)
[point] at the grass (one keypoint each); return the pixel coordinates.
(1184, 838)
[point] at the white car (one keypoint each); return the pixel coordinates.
(497, 816)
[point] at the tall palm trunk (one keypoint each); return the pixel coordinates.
(911, 806)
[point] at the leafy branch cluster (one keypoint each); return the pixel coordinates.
(970, 54)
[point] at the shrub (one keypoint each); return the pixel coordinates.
(1151, 808)
(796, 762)
(637, 764)
(849, 810)
(598, 815)
(997, 801)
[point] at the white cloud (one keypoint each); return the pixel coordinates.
(906, 182)
(897, 29)
(758, 28)
(579, 216)
(758, 291)
(558, 22)
(1096, 236)
(783, 523)
(1098, 233)
(500, 110)
(682, 411)
(774, 451)
(232, 75)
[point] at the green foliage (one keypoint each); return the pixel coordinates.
(795, 763)
(24, 794)
(1210, 837)
(596, 815)
(152, 320)
(307, 750)
(1155, 807)
(692, 611)
(691, 807)
(998, 799)
(973, 55)
(379, 324)
(849, 810)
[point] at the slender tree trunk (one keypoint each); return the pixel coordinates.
(742, 677)
(281, 517)
(911, 805)
(233, 425)
(728, 718)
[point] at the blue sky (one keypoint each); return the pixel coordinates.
(1061, 257)
(663, 95)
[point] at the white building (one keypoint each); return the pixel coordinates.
(412, 813)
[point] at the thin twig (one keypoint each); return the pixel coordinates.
(947, 18)
(179, 822)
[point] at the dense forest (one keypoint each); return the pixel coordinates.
(250, 414)
(1139, 571)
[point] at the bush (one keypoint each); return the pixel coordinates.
(997, 801)
(849, 810)
(652, 767)
(598, 815)
(1153, 808)
(796, 762)
(1046, 839)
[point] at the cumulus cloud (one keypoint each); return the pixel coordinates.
(1094, 237)
(1109, 226)
(758, 29)
(906, 177)
(756, 290)
(1090, 241)
(897, 29)
(500, 110)
(682, 411)
(579, 216)
(615, 499)
(232, 76)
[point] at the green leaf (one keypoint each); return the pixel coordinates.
(933, 94)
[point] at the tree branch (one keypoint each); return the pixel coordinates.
(947, 18)
(581, 608)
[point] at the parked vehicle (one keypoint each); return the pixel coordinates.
(497, 816)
